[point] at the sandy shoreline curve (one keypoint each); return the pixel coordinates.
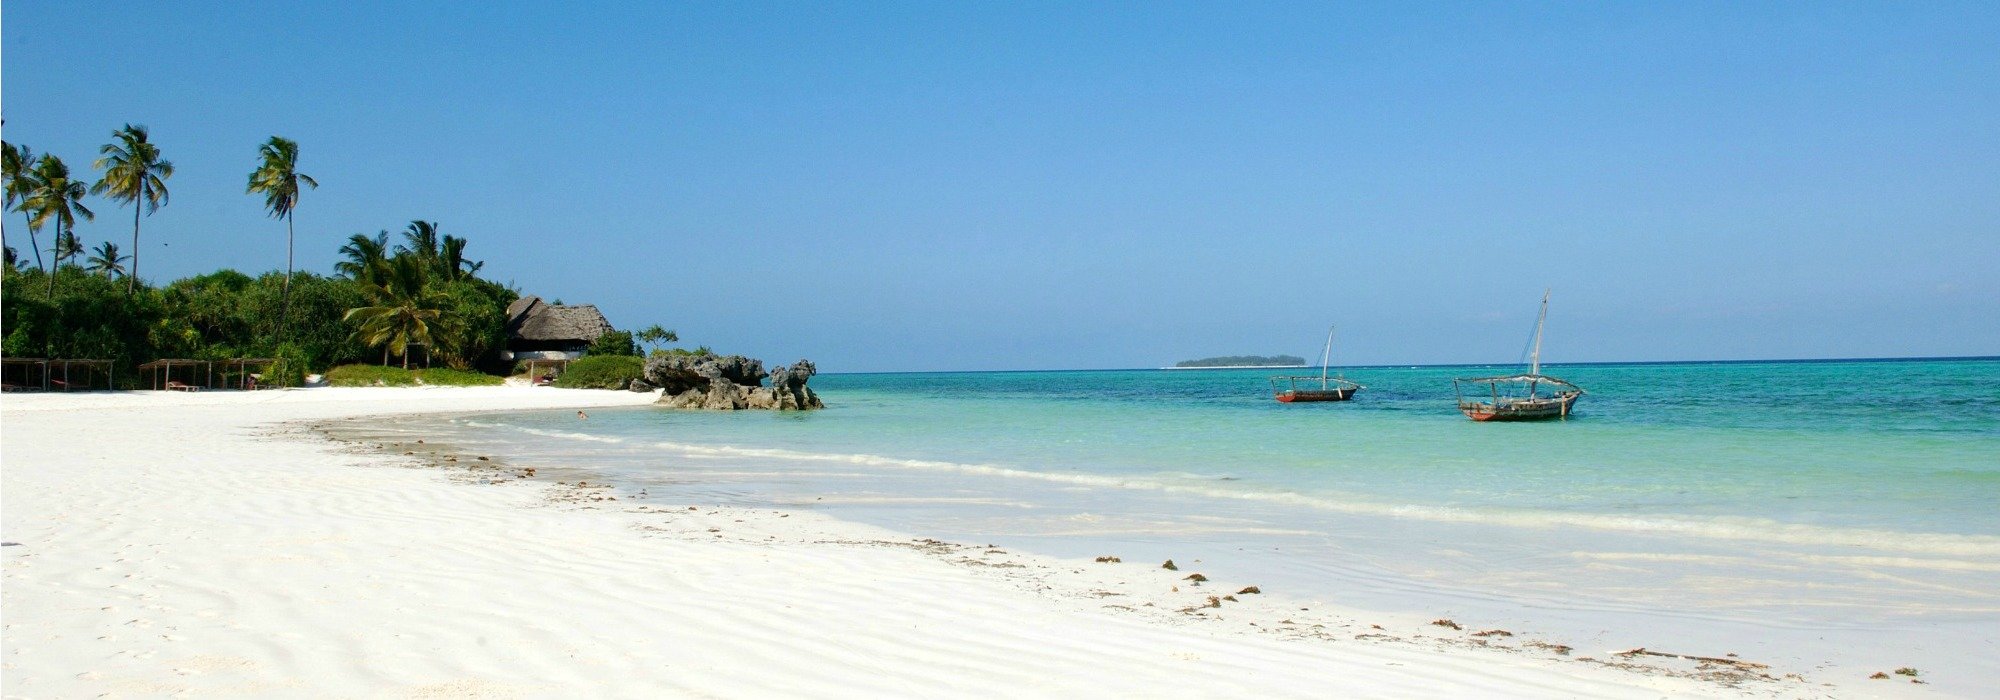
(208, 544)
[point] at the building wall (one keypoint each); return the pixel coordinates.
(540, 354)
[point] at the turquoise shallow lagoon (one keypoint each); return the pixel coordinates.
(1773, 505)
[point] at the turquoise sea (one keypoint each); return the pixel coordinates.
(1805, 496)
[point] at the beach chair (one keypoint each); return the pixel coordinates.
(177, 386)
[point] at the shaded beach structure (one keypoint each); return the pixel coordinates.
(237, 373)
(542, 371)
(541, 331)
(1519, 397)
(61, 374)
(182, 374)
(179, 374)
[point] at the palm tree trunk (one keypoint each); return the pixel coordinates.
(285, 296)
(132, 275)
(31, 241)
(58, 260)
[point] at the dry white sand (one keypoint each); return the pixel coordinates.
(190, 544)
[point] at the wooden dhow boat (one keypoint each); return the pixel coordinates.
(1519, 397)
(1306, 389)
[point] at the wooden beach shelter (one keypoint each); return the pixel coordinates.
(69, 375)
(536, 366)
(38, 374)
(236, 372)
(24, 374)
(198, 373)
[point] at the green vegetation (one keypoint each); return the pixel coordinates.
(1243, 361)
(602, 372)
(373, 375)
(421, 306)
(655, 338)
(613, 343)
(681, 352)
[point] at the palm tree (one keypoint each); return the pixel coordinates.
(19, 162)
(105, 260)
(421, 240)
(366, 258)
(133, 172)
(451, 261)
(67, 248)
(277, 177)
(60, 199)
(655, 336)
(405, 310)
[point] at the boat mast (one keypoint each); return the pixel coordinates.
(1325, 355)
(1536, 367)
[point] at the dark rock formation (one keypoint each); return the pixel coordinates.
(729, 382)
(686, 399)
(640, 386)
(788, 384)
(678, 373)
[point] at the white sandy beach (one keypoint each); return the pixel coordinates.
(209, 545)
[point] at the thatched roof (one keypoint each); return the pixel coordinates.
(528, 318)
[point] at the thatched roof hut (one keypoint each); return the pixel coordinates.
(539, 329)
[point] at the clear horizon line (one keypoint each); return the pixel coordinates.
(1930, 358)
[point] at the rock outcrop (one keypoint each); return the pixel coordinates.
(730, 382)
(788, 384)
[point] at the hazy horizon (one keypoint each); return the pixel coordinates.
(911, 187)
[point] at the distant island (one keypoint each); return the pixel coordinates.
(1244, 361)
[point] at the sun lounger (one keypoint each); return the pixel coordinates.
(177, 386)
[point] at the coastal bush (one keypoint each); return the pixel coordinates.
(702, 351)
(370, 375)
(291, 368)
(614, 343)
(601, 372)
(375, 375)
(228, 314)
(479, 309)
(445, 376)
(87, 317)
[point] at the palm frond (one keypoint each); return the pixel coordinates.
(106, 261)
(277, 176)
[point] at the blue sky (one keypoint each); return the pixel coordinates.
(918, 186)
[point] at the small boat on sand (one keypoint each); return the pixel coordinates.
(1519, 397)
(1305, 389)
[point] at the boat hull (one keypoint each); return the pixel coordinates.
(1314, 395)
(1525, 410)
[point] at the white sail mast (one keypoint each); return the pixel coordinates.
(1325, 355)
(1536, 367)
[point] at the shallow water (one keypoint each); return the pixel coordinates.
(1727, 502)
